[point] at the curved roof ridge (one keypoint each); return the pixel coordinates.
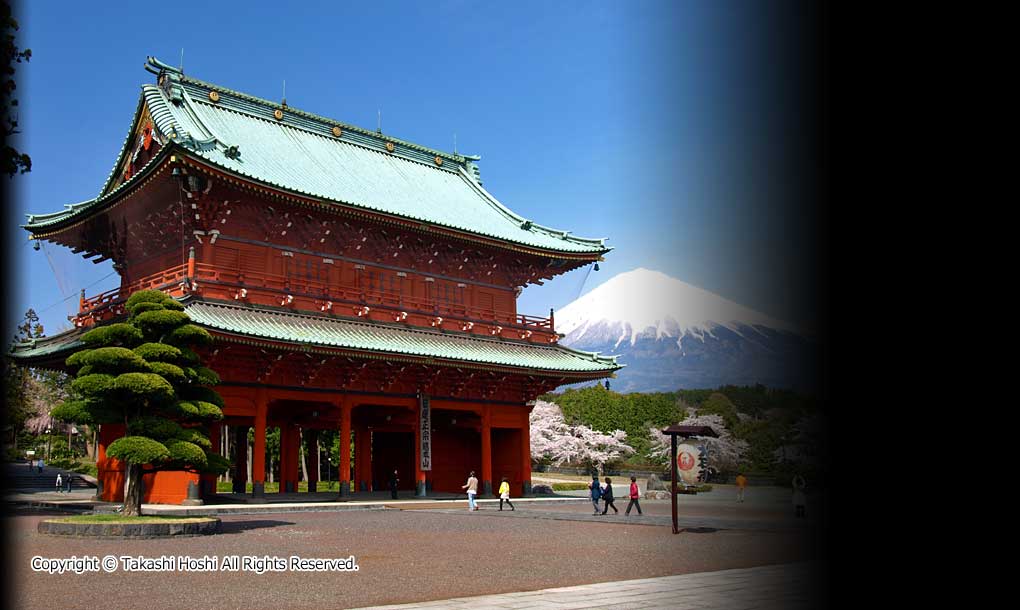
(125, 146)
(525, 224)
(456, 157)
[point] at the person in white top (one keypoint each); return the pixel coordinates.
(472, 489)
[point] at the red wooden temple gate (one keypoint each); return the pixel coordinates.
(349, 279)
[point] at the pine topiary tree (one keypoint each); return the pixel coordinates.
(143, 373)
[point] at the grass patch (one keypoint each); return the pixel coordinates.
(224, 487)
(569, 486)
(107, 518)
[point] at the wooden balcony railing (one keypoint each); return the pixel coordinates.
(306, 294)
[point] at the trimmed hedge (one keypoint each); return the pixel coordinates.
(138, 450)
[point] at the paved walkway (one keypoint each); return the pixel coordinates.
(700, 524)
(789, 586)
(83, 500)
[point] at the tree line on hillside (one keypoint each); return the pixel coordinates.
(762, 430)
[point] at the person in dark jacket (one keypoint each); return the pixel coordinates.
(596, 492)
(634, 495)
(607, 497)
(394, 481)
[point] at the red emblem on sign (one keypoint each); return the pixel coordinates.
(685, 461)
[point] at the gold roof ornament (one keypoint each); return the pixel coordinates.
(214, 96)
(439, 160)
(389, 146)
(337, 131)
(278, 114)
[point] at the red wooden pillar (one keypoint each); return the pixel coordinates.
(258, 461)
(344, 474)
(526, 452)
(208, 481)
(311, 437)
(486, 451)
(363, 458)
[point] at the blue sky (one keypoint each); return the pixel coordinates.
(660, 125)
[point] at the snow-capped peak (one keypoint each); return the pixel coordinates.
(642, 299)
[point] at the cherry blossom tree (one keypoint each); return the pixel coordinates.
(554, 440)
(724, 452)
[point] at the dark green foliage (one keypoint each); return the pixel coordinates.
(144, 307)
(145, 296)
(75, 359)
(93, 386)
(206, 376)
(201, 393)
(217, 464)
(605, 411)
(763, 417)
(159, 389)
(196, 437)
(113, 360)
(12, 160)
(208, 411)
(719, 404)
(155, 323)
(189, 334)
(171, 372)
(186, 454)
(72, 411)
(158, 352)
(122, 334)
(138, 450)
(190, 357)
(158, 428)
(186, 409)
(147, 387)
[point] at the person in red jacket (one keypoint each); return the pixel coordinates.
(634, 496)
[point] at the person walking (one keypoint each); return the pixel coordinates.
(634, 495)
(67, 482)
(394, 481)
(472, 489)
(799, 497)
(40, 463)
(607, 497)
(596, 492)
(60, 483)
(741, 485)
(504, 494)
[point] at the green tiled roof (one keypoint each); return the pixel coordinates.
(355, 335)
(384, 338)
(67, 341)
(321, 332)
(300, 154)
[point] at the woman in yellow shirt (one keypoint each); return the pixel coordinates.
(504, 494)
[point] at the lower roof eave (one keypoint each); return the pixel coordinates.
(575, 376)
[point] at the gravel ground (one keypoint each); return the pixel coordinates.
(404, 556)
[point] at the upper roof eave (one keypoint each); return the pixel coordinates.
(155, 96)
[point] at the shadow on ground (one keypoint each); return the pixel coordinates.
(698, 530)
(238, 527)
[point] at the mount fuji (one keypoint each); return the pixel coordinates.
(673, 335)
